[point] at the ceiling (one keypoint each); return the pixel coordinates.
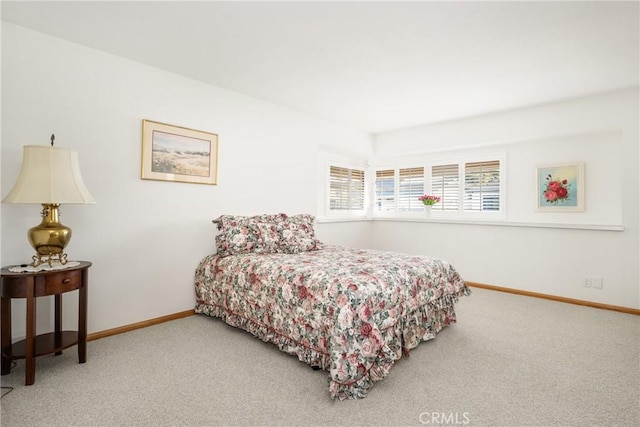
(375, 66)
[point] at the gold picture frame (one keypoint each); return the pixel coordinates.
(178, 154)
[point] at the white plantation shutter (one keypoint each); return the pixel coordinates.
(410, 188)
(468, 188)
(482, 186)
(385, 190)
(346, 189)
(445, 183)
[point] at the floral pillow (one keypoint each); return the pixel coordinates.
(237, 237)
(269, 236)
(297, 234)
(242, 234)
(225, 221)
(270, 218)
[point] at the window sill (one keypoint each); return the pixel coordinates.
(503, 223)
(322, 220)
(497, 223)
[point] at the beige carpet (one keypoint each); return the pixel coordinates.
(509, 361)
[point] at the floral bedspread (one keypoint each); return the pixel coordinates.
(353, 312)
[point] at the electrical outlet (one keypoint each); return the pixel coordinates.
(597, 282)
(586, 283)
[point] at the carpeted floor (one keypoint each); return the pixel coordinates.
(509, 361)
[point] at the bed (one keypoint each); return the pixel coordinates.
(352, 312)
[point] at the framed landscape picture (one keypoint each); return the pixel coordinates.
(560, 187)
(175, 153)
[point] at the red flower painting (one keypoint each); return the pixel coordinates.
(556, 190)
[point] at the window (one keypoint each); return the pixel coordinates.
(399, 189)
(446, 185)
(477, 189)
(482, 186)
(346, 189)
(385, 189)
(467, 188)
(410, 188)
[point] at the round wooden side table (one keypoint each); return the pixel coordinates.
(31, 285)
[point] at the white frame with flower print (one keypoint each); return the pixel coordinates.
(569, 175)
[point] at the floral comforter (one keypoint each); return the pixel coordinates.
(353, 312)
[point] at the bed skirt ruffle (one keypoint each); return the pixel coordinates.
(407, 333)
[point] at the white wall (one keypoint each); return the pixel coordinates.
(601, 152)
(145, 238)
(600, 130)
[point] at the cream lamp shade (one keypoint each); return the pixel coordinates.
(49, 176)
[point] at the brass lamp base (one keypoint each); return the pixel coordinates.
(49, 238)
(48, 259)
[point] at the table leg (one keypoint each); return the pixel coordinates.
(82, 318)
(30, 359)
(6, 335)
(58, 323)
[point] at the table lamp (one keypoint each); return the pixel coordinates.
(49, 176)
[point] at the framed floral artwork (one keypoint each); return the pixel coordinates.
(560, 187)
(175, 153)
